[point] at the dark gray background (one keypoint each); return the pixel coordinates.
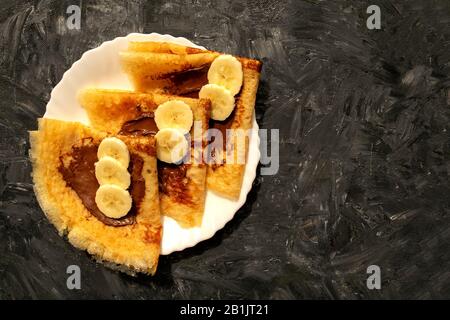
(364, 121)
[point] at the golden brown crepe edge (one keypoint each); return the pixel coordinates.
(226, 180)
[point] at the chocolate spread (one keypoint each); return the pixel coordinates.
(189, 82)
(142, 126)
(137, 186)
(173, 181)
(80, 176)
(172, 178)
(223, 126)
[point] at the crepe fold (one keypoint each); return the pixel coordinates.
(182, 187)
(180, 70)
(131, 248)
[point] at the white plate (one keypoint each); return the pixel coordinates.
(100, 67)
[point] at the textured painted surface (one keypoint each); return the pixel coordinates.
(364, 121)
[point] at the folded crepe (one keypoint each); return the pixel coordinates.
(63, 156)
(166, 67)
(182, 187)
(155, 66)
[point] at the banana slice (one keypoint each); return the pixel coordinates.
(110, 171)
(226, 71)
(174, 114)
(171, 145)
(113, 201)
(115, 148)
(222, 101)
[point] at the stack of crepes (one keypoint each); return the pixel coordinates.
(180, 93)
